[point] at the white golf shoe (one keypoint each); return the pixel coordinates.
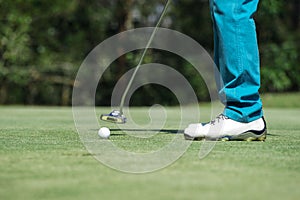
(223, 128)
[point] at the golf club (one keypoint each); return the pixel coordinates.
(116, 116)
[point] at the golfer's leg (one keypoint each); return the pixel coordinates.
(237, 58)
(216, 50)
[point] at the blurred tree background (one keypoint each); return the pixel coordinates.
(43, 43)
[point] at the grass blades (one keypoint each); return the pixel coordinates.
(42, 157)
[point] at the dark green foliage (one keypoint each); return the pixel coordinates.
(279, 34)
(43, 43)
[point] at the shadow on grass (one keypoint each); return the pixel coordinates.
(170, 131)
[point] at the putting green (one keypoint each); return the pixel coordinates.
(41, 157)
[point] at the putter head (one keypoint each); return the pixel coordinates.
(115, 117)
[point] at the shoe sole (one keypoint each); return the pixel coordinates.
(247, 136)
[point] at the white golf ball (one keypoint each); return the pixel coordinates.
(104, 132)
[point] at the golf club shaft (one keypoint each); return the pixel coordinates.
(143, 55)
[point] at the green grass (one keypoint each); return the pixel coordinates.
(41, 157)
(282, 100)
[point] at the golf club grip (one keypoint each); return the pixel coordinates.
(143, 55)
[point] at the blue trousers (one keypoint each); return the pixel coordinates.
(237, 58)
